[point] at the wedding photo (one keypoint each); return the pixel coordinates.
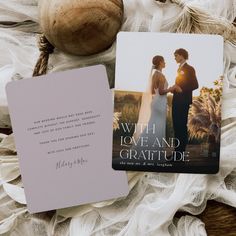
(168, 118)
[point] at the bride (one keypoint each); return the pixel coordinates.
(152, 115)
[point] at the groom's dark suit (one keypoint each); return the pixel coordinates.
(187, 81)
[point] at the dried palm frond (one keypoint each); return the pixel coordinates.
(205, 115)
(200, 120)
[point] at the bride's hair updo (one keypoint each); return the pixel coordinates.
(157, 60)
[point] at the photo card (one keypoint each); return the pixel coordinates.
(167, 102)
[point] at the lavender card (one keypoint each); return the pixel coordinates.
(62, 124)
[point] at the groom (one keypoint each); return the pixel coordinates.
(186, 79)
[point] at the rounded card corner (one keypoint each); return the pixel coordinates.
(8, 86)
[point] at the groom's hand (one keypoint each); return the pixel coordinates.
(171, 89)
(175, 89)
(178, 89)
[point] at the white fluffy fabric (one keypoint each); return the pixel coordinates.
(154, 198)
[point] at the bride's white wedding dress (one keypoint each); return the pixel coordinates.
(155, 130)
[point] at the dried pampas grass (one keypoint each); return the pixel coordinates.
(194, 19)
